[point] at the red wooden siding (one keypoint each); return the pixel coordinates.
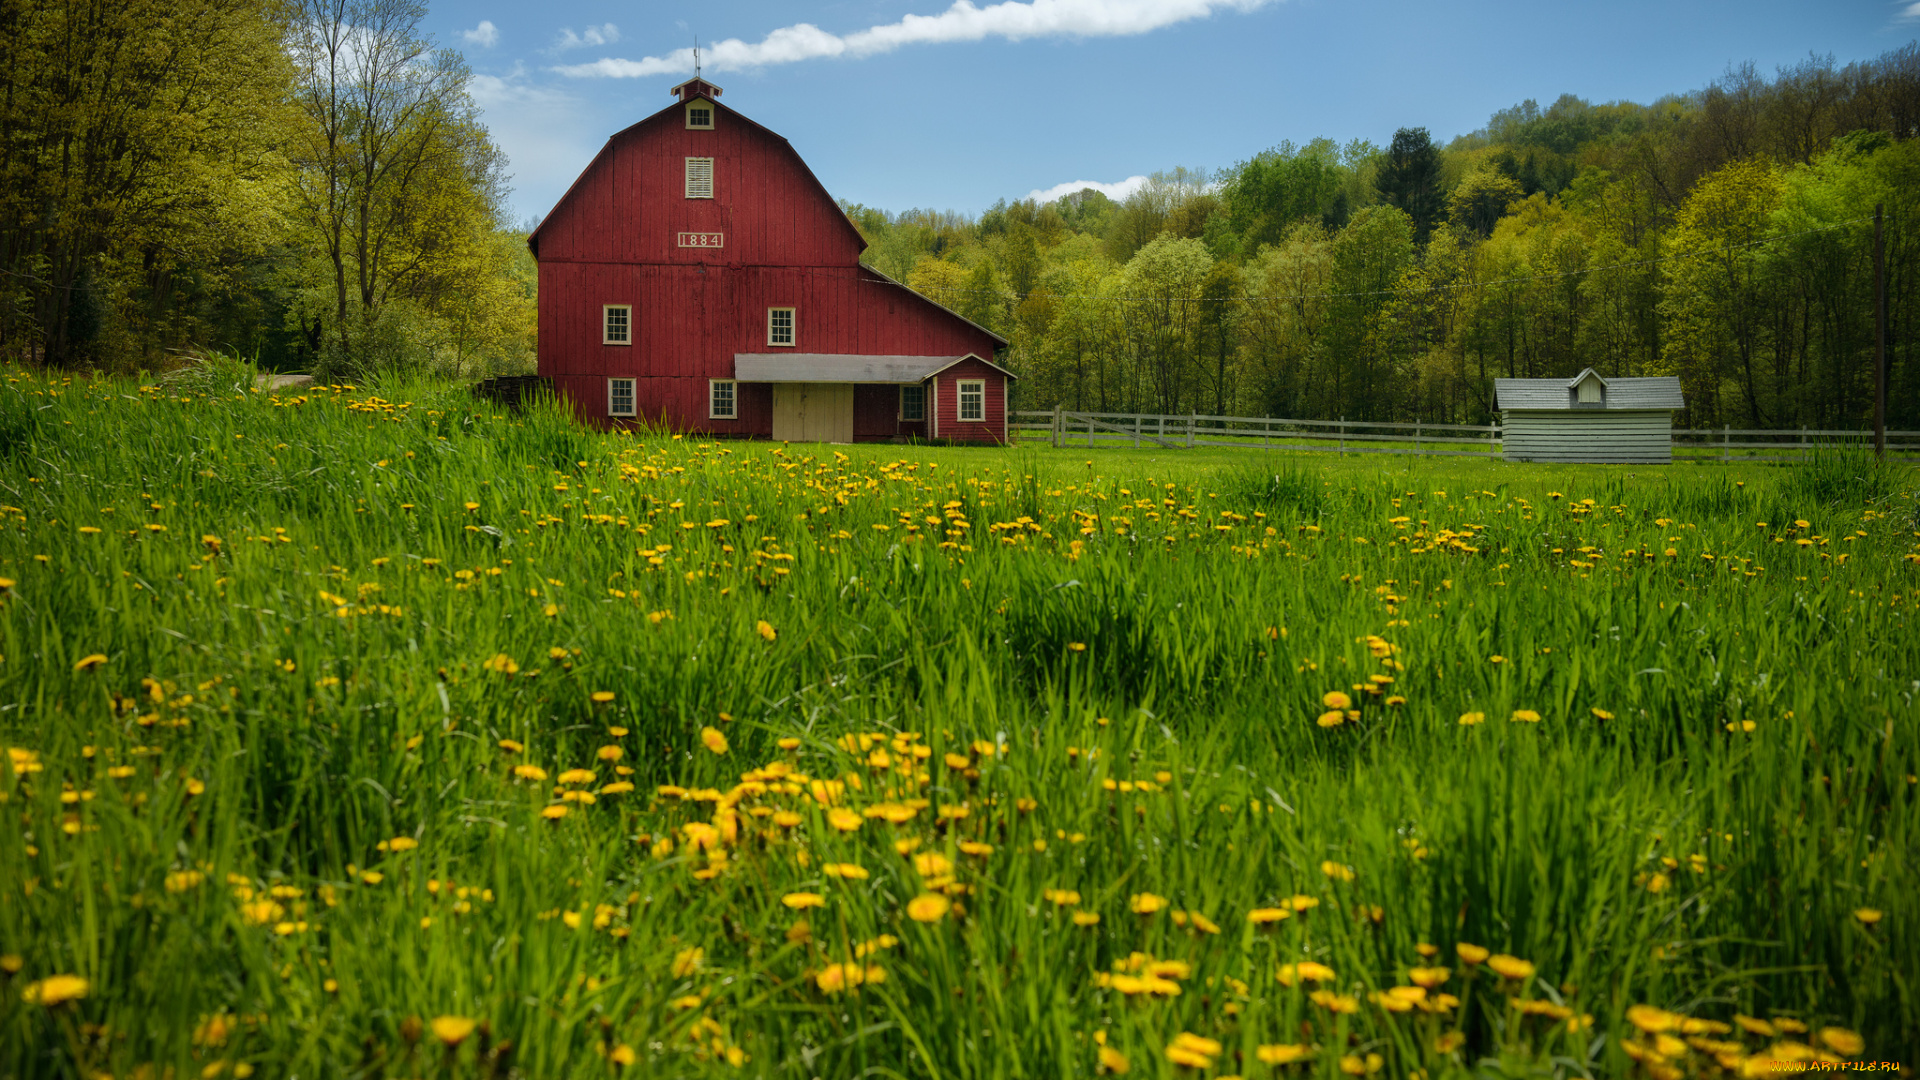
(946, 404)
(613, 240)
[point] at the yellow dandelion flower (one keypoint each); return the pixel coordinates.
(1332, 1002)
(601, 696)
(713, 740)
(852, 871)
(1842, 1041)
(55, 990)
(843, 819)
(928, 907)
(1061, 897)
(453, 1030)
(765, 630)
(89, 661)
(1335, 699)
(1114, 1062)
(1511, 967)
(687, 961)
(1331, 718)
(1471, 954)
(553, 813)
(1525, 716)
(1145, 903)
(1472, 718)
(1428, 977)
(1867, 916)
(1281, 1053)
(1268, 915)
(1086, 918)
(800, 901)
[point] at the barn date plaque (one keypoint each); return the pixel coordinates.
(703, 239)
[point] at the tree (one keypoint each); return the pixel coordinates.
(1409, 179)
(1481, 200)
(395, 171)
(136, 169)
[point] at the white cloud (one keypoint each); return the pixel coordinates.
(1115, 191)
(547, 134)
(592, 37)
(1012, 20)
(484, 35)
(1911, 11)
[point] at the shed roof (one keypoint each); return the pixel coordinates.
(1653, 392)
(846, 367)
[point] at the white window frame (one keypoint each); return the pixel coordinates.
(713, 399)
(921, 387)
(699, 178)
(793, 328)
(704, 106)
(606, 324)
(613, 385)
(961, 393)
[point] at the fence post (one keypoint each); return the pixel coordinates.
(1089, 431)
(1266, 432)
(1343, 437)
(1803, 440)
(1056, 425)
(1138, 420)
(1726, 443)
(1193, 421)
(1417, 452)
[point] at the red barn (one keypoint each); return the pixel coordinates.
(698, 275)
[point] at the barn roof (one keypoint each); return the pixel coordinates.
(1655, 392)
(925, 299)
(533, 238)
(846, 367)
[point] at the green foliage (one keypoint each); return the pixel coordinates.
(1409, 178)
(359, 612)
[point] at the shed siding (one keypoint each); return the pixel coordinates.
(945, 403)
(1602, 437)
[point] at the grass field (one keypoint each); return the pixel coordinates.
(369, 733)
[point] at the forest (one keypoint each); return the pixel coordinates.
(308, 184)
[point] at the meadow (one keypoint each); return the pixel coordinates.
(371, 732)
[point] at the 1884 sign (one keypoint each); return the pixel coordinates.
(703, 239)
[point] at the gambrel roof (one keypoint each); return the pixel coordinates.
(1650, 392)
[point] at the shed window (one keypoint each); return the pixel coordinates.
(973, 399)
(616, 324)
(700, 115)
(1590, 392)
(780, 326)
(721, 402)
(913, 402)
(699, 178)
(619, 397)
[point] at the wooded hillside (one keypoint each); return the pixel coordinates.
(1724, 236)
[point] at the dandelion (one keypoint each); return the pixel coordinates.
(1600, 714)
(711, 738)
(1145, 903)
(1268, 916)
(553, 813)
(55, 990)
(1867, 916)
(1193, 1051)
(1086, 918)
(1281, 1053)
(1336, 871)
(1471, 954)
(765, 630)
(453, 1030)
(1511, 967)
(1335, 699)
(1331, 718)
(92, 660)
(801, 901)
(1842, 1041)
(1289, 974)
(851, 871)
(1428, 977)
(601, 697)
(1336, 1003)
(1061, 897)
(1114, 1062)
(843, 819)
(1472, 718)
(1525, 716)
(928, 907)
(398, 844)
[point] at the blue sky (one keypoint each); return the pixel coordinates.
(908, 103)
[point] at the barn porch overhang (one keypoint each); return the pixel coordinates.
(846, 367)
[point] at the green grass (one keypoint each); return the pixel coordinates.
(354, 598)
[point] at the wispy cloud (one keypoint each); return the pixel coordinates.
(1116, 191)
(593, 37)
(485, 35)
(1013, 20)
(1909, 12)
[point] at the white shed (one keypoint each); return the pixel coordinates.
(1588, 418)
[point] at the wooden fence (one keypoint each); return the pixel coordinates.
(1064, 427)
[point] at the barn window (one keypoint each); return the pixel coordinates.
(913, 402)
(780, 326)
(699, 178)
(973, 399)
(700, 115)
(616, 324)
(619, 397)
(721, 402)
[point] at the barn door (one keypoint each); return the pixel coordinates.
(813, 412)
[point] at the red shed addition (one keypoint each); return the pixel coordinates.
(698, 275)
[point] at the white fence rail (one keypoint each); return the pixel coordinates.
(1065, 427)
